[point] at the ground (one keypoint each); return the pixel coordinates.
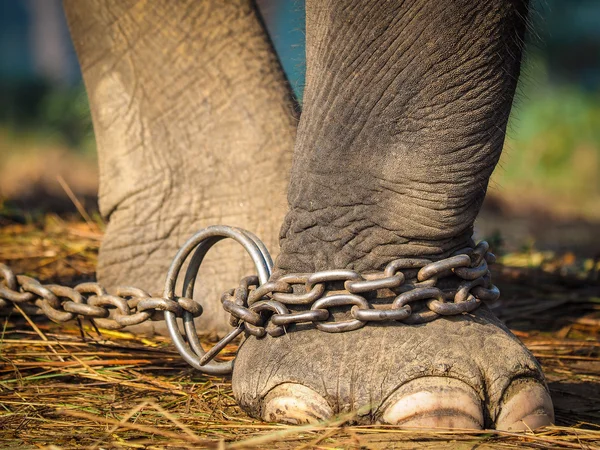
(73, 386)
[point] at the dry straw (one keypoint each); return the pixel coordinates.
(71, 387)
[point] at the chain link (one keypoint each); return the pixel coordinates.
(335, 301)
(409, 291)
(126, 306)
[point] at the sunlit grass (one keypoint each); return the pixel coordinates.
(552, 151)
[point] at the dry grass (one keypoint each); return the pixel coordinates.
(72, 387)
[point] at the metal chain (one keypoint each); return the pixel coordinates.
(114, 311)
(409, 290)
(406, 291)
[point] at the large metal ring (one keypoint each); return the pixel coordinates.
(192, 351)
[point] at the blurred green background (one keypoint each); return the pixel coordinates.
(545, 191)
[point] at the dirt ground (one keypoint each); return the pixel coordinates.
(73, 386)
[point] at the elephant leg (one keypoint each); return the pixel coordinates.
(404, 118)
(194, 123)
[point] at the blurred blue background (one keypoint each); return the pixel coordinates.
(549, 172)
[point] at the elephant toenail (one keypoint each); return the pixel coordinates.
(434, 402)
(295, 404)
(526, 405)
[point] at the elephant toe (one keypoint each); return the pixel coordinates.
(526, 405)
(295, 404)
(434, 402)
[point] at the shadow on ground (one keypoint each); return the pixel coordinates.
(576, 402)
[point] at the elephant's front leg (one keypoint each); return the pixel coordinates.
(194, 125)
(404, 117)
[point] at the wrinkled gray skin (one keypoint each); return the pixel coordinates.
(404, 117)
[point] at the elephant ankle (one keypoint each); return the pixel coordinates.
(135, 252)
(348, 238)
(142, 238)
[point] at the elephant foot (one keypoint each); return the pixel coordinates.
(463, 372)
(138, 252)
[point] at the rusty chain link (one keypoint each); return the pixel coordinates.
(409, 291)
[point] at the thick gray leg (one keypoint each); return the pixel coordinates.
(195, 127)
(404, 119)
